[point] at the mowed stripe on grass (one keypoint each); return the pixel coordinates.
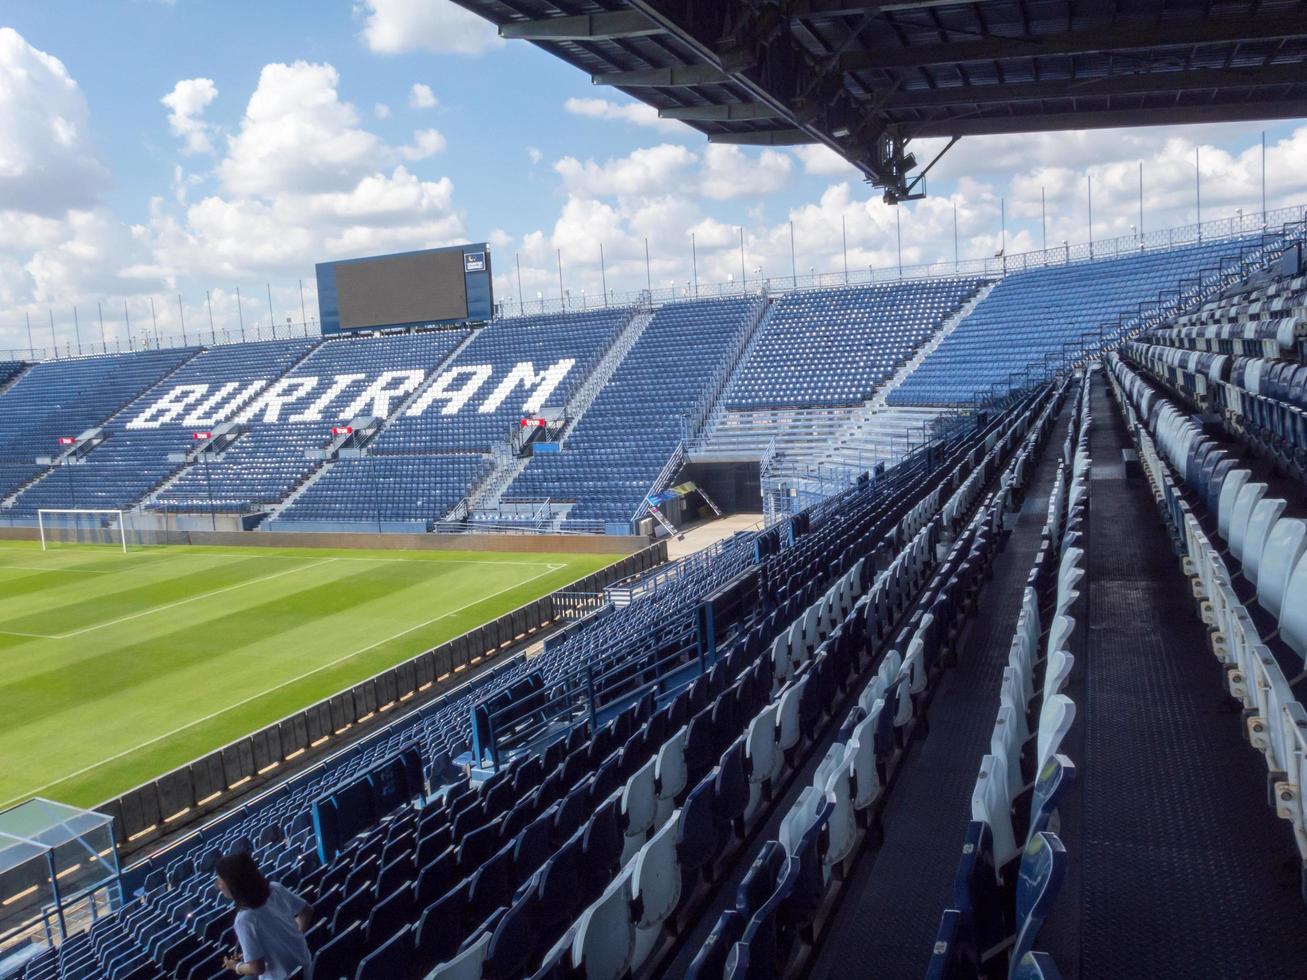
(174, 652)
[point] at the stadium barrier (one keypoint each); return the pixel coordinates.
(574, 544)
(162, 807)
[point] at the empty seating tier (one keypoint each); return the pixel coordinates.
(836, 346)
(1034, 317)
(628, 434)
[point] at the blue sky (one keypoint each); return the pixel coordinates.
(293, 132)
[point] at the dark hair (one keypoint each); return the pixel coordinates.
(249, 889)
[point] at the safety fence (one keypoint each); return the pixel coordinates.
(163, 806)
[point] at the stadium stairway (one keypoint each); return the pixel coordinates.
(905, 884)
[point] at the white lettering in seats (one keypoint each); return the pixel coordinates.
(210, 412)
(169, 406)
(455, 398)
(314, 412)
(524, 374)
(389, 387)
(271, 402)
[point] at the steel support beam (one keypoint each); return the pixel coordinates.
(764, 137)
(678, 77)
(1119, 38)
(730, 112)
(582, 27)
(1088, 88)
(1107, 119)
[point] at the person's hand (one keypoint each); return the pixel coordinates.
(231, 963)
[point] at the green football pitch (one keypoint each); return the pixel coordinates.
(119, 667)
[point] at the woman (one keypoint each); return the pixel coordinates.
(270, 922)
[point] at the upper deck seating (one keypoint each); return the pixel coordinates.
(64, 398)
(1033, 315)
(836, 346)
(513, 367)
(611, 458)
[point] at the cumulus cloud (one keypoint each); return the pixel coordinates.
(381, 110)
(421, 97)
(426, 143)
(186, 104)
(297, 134)
(729, 172)
(398, 26)
(48, 161)
(631, 112)
(651, 170)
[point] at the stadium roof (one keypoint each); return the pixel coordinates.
(867, 78)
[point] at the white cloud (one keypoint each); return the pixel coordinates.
(397, 26)
(186, 104)
(631, 112)
(651, 170)
(821, 161)
(48, 161)
(730, 172)
(426, 143)
(534, 153)
(421, 97)
(381, 110)
(297, 135)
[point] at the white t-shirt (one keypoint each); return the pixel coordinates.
(270, 933)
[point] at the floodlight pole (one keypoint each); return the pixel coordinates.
(240, 313)
(181, 316)
(955, 235)
(155, 320)
(1043, 217)
(104, 338)
(272, 317)
(77, 329)
(54, 341)
(898, 243)
(127, 325)
(844, 238)
(521, 305)
(694, 264)
(794, 268)
(562, 299)
(1198, 193)
(1263, 178)
(603, 272)
(304, 317)
(213, 334)
(1089, 196)
(744, 279)
(648, 278)
(1141, 203)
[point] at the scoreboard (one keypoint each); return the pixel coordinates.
(431, 287)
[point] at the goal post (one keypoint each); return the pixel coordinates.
(81, 526)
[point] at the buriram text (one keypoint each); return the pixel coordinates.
(313, 398)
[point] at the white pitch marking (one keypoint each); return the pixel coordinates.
(189, 599)
(269, 690)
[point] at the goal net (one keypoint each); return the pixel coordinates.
(83, 527)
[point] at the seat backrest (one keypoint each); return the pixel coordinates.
(1293, 612)
(1263, 518)
(1231, 487)
(991, 803)
(605, 935)
(1055, 719)
(1242, 514)
(1285, 545)
(1043, 866)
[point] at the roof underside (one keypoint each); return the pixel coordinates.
(867, 78)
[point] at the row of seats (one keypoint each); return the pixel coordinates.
(813, 664)
(1031, 317)
(495, 813)
(758, 936)
(1247, 559)
(836, 346)
(610, 459)
(1012, 861)
(398, 488)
